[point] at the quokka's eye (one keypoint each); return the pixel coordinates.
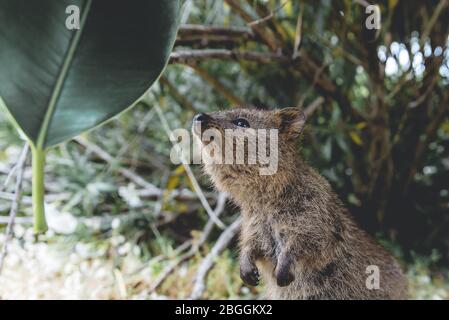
(240, 122)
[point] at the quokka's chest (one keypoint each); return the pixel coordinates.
(268, 238)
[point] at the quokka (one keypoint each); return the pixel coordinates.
(296, 233)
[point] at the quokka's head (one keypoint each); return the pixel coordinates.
(248, 143)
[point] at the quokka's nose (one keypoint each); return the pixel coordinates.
(201, 117)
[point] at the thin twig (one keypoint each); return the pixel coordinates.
(269, 16)
(433, 19)
(310, 89)
(304, 65)
(267, 37)
(298, 36)
(28, 200)
(143, 124)
(150, 190)
(177, 95)
(315, 104)
(191, 56)
(208, 262)
(430, 132)
(194, 246)
(179, 249)
(9, 177)
(15, 204)
(125, 172)
(186, 11)
(195, 184)
(189, 30)
(233, 99)
(423, 97)
(160, 202)
(219, 208)
(18, 220)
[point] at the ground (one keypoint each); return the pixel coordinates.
(59, 267)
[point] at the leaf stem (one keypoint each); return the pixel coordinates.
(40, 225)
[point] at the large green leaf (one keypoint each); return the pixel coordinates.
(57, 83)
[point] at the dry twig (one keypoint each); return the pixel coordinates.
(15, 203)
(269, 16)
(208, 262)
(315, 104)
(194, 246)
(150, 190)
(189, 57)
(187, 31)
(193, 180)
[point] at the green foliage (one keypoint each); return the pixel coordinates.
(57, 83)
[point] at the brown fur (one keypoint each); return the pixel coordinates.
(295, 231)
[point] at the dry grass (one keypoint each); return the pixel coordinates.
(110, 269)
(114, 269)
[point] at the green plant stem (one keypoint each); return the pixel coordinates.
(40, 225)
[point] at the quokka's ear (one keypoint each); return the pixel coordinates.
(291, 121)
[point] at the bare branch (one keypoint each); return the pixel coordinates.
(178, 96)
(15, 204)
(269, 16)
(303, 65)
(149, 189)
(201, 36)
(278, 30)
(298, 35)
(189, 57)
(438, 10)
(429, 133)
(194, 246)
(9, 177)
(28, 200)
(208, 262)
(18, 220)
(193, 180)
(219, 208)
(261, 32)
(193, 30)
(125, 172)
(311, 108)
(233, 99)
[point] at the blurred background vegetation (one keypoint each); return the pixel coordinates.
(126, 223)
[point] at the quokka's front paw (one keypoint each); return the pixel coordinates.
(249, 273)
(283, 277)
